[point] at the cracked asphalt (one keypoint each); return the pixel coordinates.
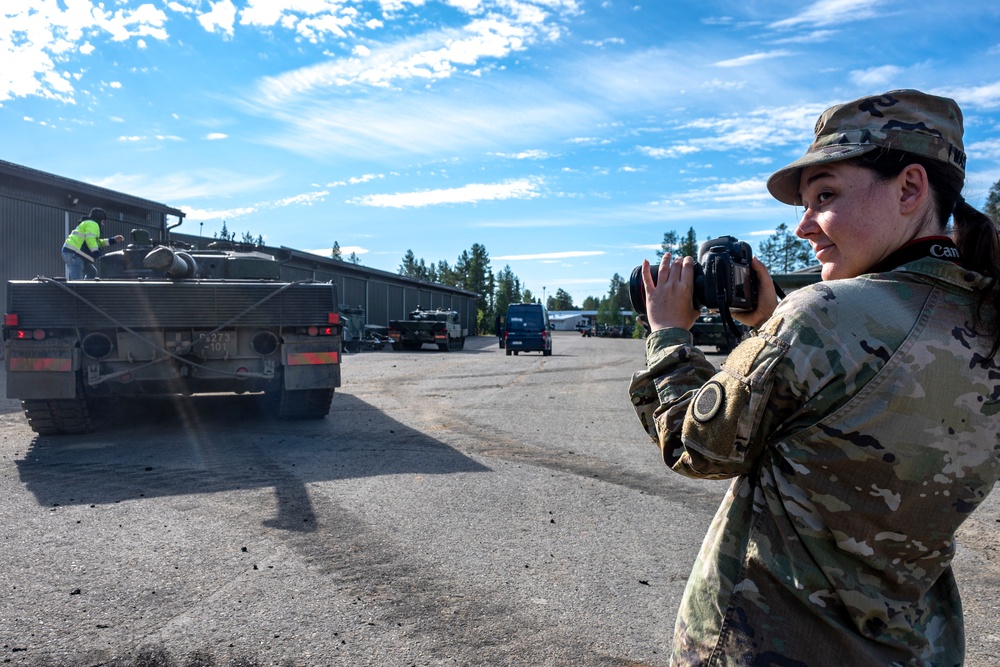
(461, 508)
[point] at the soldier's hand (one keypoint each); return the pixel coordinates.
(669, 302)
(119, 238)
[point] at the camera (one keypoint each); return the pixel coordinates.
(723, 279)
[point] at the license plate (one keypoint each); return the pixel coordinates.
(218, 345)
(518, 342)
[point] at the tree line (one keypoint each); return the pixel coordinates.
(782, 252)
(472, 271)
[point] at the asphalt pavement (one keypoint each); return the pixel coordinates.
(458, 508)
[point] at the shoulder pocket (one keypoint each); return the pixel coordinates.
(723, 416)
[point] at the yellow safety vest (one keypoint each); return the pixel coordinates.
(86, 233)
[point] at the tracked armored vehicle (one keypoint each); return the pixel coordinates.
(168, 319)
(439, 327)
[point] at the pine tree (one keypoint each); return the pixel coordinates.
(669, 244)
(409, 266)
(783, 252)
(335, 252)
(689, 246)
(992, 207)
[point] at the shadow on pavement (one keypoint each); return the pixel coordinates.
(176, 446)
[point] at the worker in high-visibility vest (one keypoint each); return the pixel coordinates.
(84, 245)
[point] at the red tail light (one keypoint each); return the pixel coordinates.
(10, 319)
(333, 318)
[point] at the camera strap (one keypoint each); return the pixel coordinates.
(938, 247)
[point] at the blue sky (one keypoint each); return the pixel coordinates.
(564, 135)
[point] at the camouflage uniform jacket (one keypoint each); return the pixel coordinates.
(860, 424)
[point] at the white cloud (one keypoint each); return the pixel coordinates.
(215, 136)
(524, 188)
(345, 251)
(832, 13)
(355, 180)
(508, 27)
(183, 185)
(745, 190)
(221, 17)
(671, 152)
(753, 58)
(569, 254)
(875, 77)
(533, 154)
(814, 37)
(988, 150)
(39, 39)
(985, 97)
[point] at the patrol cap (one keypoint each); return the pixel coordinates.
(902, 120)
(98, 215)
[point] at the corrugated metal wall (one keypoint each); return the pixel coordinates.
(35, 218)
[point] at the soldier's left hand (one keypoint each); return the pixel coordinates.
(669, 303)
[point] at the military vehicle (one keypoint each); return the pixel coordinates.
(168, 319)
(439, 327)
(711, 329)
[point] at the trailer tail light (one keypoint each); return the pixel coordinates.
(312, 358)
(333, 318)
(10, 319)
(320, 331)
(40, 364)
(26, 334)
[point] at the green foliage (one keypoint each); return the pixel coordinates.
(672, 243)
(561, 300)
(992, 207)
(248, 238)
(508, 289)
(618, 292)
(471, 272)
(591, 303)
(783, 252)
(224, 234)
(689, 247)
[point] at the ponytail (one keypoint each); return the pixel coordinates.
(974, 232)
(978, 242)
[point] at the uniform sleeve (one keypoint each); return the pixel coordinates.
(712, 424)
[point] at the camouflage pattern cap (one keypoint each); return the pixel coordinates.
(904, 120)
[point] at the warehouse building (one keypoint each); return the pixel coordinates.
(38, 211)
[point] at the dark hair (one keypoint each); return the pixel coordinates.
(973, 231)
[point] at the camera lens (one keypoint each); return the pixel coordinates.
(637, 291)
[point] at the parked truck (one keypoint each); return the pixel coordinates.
(711, 329)
(438, 327)
(168, 319)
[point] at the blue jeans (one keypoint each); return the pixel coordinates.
(77, 268)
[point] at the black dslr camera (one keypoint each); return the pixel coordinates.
(723, 279)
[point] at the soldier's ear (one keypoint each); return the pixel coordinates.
(914, 188)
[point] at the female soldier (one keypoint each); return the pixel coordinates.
(858, 418)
